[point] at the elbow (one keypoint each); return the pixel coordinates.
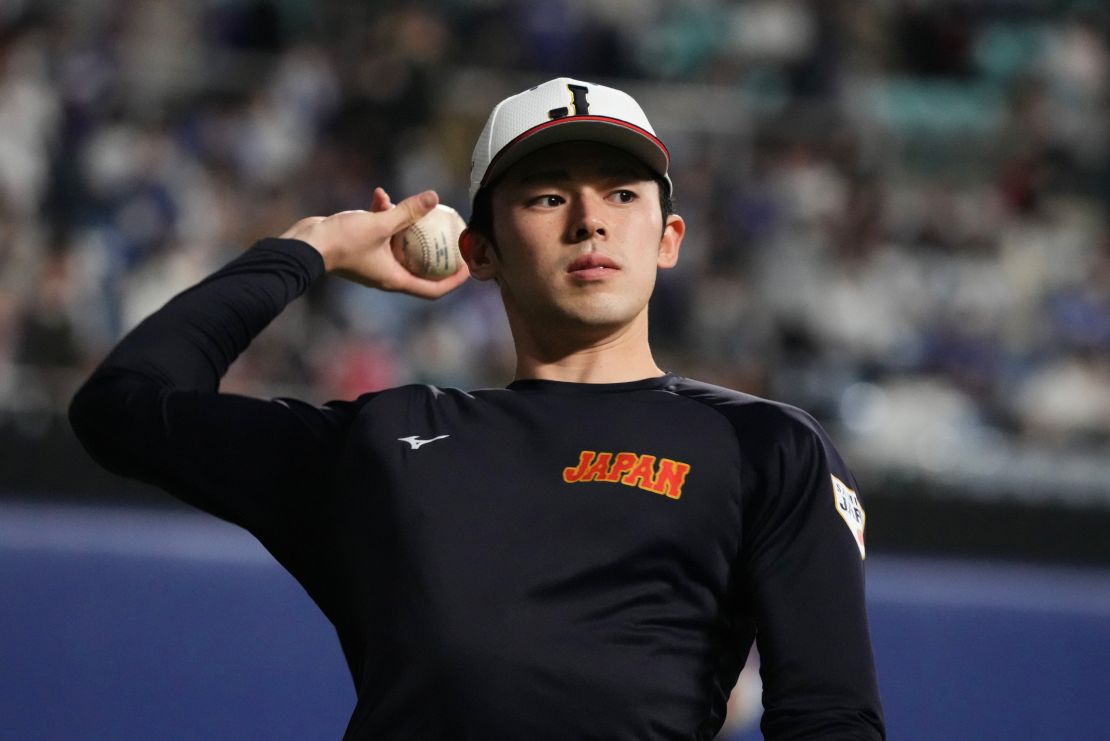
(80, 412)
(94, 407)
(102, 417)
(91, 414)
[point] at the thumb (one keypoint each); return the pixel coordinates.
(409, 211)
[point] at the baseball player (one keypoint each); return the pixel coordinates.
(588, 553)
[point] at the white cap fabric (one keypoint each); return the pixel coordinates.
(563, 110)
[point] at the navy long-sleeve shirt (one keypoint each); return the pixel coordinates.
(549, 560)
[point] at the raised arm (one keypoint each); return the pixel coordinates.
(152, 410)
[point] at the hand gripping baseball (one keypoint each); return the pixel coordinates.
(356, 244)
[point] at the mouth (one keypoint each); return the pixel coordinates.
(592, 266)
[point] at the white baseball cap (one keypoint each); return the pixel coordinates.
(562, 110)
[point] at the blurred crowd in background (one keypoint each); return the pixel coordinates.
(897, 209)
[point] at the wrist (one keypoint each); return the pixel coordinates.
(308, 231)
(327, 254)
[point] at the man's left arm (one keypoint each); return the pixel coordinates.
(804, 555)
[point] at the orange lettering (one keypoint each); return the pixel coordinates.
(599, 468)
(642, 472)
(572, 474)
(672, 476)
(630, 469)
(621, 465)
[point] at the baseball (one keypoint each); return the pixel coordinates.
(430, 247)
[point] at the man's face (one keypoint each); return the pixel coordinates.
(580, 236)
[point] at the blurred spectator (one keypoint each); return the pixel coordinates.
(1068, 400)
(901, 204)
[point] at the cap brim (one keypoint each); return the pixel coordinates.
(620, 134)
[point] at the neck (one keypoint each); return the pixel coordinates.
(591, 355)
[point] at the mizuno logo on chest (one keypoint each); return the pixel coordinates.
(662, 476)
(416, 443)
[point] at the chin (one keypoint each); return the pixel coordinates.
(602, 314)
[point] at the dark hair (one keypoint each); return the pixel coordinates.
(481, 213)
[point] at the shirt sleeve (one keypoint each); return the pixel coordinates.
(152, 410)
(803, 567)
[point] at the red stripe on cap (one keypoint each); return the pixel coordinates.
(569, 119)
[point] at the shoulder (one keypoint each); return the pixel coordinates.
(418, 394)
(406, 392)
(756, 421)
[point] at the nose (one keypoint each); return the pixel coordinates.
(587, 221)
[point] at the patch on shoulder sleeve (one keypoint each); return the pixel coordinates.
(851, 511)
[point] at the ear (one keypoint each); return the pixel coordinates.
(478, 252)
(671, 241)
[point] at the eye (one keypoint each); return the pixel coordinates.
(625, 196)
(547, 201)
